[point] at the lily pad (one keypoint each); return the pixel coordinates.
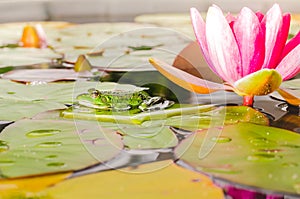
(144, 181)
(178, 21)
(18, 109)
(131, 117)
(27, 56)
(44, 75)
(138, 137)
(27, 187)
(229, 115)
(255, 156)
(50, 146)
(131, 50)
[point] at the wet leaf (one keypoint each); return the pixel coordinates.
(229, 115)
(155, 180)
(247, 154)
(33, 147)
(131, 116)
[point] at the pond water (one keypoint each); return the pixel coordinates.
(278, 112)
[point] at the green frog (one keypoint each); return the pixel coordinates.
(122, 100)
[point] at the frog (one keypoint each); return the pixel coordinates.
(122, 100)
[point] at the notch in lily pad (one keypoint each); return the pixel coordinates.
(144, 47)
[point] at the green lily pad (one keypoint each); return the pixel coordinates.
(132, 116)
(229, 115)
(148, 135)
(18, 109)
(33, 147)
(247, 154)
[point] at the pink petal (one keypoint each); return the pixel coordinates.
(230, 19)
(295, 41)
(290, 64)
(42, 36)
(277, 28)
(199, 30)
(250, 39)
(222, 46)
(260, 16)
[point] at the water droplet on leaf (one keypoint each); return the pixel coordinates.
(51, 157)
(263, 157)
(49, 144)
(221, 139)
(290, 164)
(7, 162)
(3, 146)
(43, 132)
(56, 164)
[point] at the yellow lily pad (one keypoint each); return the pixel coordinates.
(155, 180)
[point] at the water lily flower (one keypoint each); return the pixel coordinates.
(249, 52)
(33, 37)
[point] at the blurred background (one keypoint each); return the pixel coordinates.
(82, 11)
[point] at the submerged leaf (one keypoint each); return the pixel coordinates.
(249, 155)
(155, 180)
(230, 115)
(50, 146)
(291, 96)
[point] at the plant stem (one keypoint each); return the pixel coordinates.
(248, 100)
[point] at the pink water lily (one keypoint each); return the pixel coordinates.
(249, 52)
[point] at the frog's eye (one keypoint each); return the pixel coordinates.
(94, 93)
